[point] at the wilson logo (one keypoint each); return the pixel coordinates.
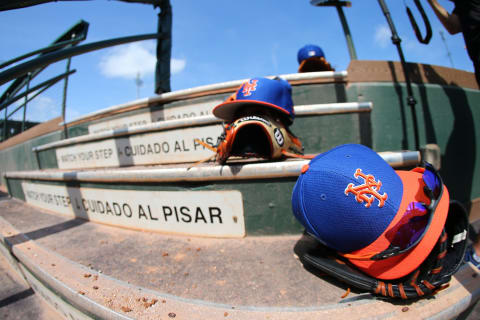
(368, 191)
(279, 137)
(248, 87)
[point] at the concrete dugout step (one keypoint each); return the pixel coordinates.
(173, 141)
(186, 103)
(110, 273)
(18, 300)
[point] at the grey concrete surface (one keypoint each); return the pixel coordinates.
(18, 301)
(254, 271)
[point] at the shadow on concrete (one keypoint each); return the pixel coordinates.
(16, 297)
(43, 232)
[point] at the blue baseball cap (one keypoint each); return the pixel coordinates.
(349, 198)
(309, 51)
(276, 95)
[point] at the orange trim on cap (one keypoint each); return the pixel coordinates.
(226, 110)
(403, 264)
(305, 168)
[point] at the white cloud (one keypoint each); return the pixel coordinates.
(177, 65)
(383, 36)
(40, 109)
(128, 60)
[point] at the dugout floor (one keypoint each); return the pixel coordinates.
(251, 274)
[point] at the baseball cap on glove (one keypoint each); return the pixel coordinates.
(385, 222)
(433, 275)
(274, 95)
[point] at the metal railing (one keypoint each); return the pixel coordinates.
(74, 35)
(66, 47)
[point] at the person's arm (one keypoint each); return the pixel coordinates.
(451, 22)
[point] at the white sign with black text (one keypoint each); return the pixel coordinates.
(197, 213)
(173, 146)
(147, 117)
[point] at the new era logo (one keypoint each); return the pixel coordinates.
(368, 191)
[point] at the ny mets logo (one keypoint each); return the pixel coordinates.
(248, 87)
(368, 191)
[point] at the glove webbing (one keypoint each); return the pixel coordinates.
(284, 152)
(413, 288)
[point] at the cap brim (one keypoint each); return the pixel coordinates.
(403, 264)
(227, 110)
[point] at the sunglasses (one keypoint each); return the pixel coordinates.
(415, 221)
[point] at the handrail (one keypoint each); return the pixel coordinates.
(42, 50)
(52, 57)
(69, 38)
(41, 90)
(27, 70)
(201, 173)
(37, 87)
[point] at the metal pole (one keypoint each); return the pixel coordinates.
(410, 99)
(9, 101)
(348, 35)
(31, 97)
(26, 101)
(5, 121)
(49, 58)
(64, 100)
(164, 48)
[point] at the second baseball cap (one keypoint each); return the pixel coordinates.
(273, 94)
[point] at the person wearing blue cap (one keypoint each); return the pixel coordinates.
(311, 58)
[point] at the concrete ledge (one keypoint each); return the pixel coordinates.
(304, 110)
(204, 172)
(109, 294)
(229, 86)
(36, 131)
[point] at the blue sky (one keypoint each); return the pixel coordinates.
(213, 41)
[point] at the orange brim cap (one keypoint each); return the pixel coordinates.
(405, 263)
(274, 94)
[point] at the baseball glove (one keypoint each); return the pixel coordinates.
(257, 137)
(431, 276)
(315, 64)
